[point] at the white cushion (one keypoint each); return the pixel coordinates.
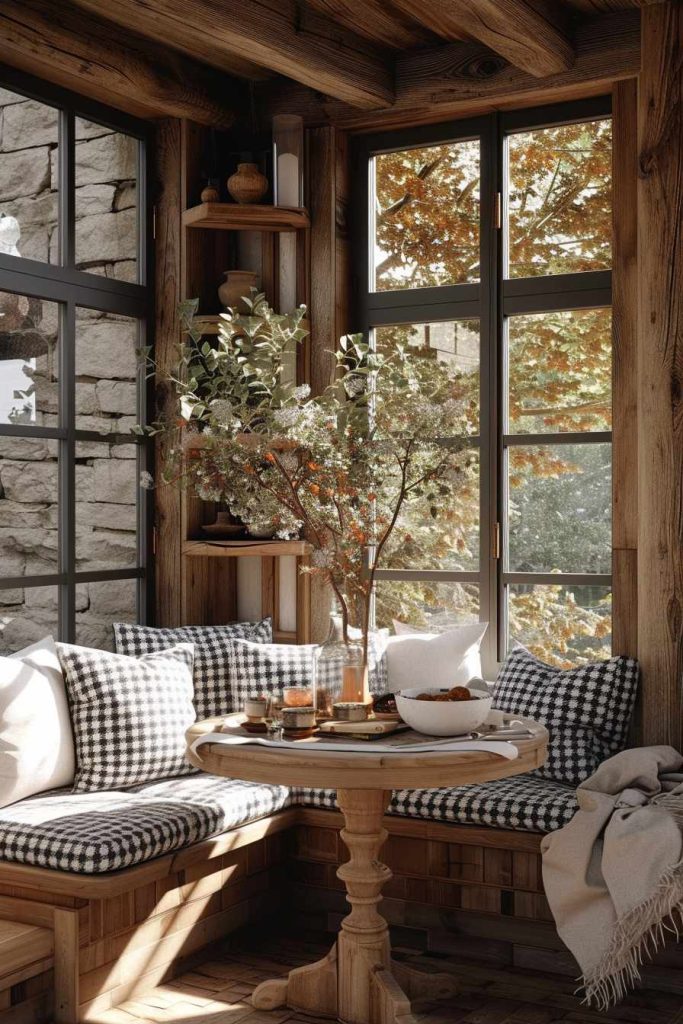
(434, 659)
(36, 740)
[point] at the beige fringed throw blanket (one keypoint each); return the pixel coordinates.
(614, 874)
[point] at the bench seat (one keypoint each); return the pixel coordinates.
(523, 802)
(94, 833)
(91, 833)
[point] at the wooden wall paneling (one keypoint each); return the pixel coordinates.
(168, 291)
(660, 371)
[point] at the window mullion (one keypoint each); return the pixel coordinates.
(67, 471)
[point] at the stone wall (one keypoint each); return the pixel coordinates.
(106, 473)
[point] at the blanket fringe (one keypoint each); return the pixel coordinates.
(637, 937)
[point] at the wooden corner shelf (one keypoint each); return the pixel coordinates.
(239, 217)
(243, 548)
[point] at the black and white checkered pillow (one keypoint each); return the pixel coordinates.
(586, 709)
(268, 668)
(129, 715)
(212, 691)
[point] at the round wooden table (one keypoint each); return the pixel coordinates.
(357, 982)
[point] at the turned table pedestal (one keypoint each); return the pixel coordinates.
(358, 982)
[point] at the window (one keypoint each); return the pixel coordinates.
(486, 245)
(74, 306)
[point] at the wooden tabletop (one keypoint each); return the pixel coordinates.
(305, 766)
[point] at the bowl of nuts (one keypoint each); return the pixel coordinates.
(443, 712)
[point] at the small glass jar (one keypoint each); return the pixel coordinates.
(340, 672)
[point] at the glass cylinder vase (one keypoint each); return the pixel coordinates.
(341, 673)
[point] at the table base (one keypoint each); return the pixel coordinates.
(358, 982)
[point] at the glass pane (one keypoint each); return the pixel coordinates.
(453, 349)
(28, 178)
(560, 508)
(98, 606)
(560, 624)
(29, 331)
(560, 199)
(106, 201)
(441, 530)
(28, 506)
(106, 372)
(560, 371)
(106, 505)
(26, 616)
(430, 606)
(426, 217)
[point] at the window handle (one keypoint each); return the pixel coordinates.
(498, 211)
(495, 541)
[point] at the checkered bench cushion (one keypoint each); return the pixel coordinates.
(524, 802)
(105, 831)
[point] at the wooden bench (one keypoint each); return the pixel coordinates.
(457, 889)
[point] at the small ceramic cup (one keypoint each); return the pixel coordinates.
(256, 707)
(298, 718)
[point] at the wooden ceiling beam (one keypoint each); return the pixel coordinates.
(526, 35)
(377, 21)
(91, 56)
(464, 79)
(279, 35)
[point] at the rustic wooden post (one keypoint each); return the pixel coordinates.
(660, 367)
(168, 206)
(330, 312)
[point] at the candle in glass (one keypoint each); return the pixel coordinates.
(288, 163)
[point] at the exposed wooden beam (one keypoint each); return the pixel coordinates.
(660, 372)
(276, 34)
(376, 21)
(463, 79)
(526, 35)
(76, 51)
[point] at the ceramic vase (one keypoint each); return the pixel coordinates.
(210, 192)
(237, 284)
(247, 184)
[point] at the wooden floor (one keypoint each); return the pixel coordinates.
(217, 991)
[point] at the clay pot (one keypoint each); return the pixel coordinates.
(247, 184)
(210, 193)
(237, 284)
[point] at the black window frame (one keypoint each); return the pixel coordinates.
(491, 301)
(71, 288)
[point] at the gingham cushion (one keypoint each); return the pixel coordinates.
(586, 709)
(268, 668)
(129, 715)
(212, 691)
(94, 832)
(524, 803)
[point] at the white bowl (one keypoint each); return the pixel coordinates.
(442, 718)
